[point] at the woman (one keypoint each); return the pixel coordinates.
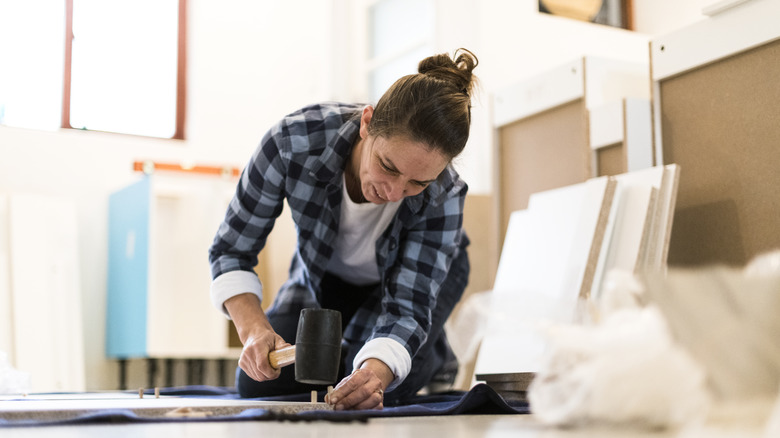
(378, 211)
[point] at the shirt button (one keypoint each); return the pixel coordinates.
(393, 245)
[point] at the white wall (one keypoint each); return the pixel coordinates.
(659, 17)
(250, 62)
(513, 42)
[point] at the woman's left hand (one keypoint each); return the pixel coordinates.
(363, 389)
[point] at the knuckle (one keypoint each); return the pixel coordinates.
(367, 392)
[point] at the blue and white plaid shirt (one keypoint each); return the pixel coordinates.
(302, 159)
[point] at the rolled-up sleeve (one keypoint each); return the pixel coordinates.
(249, 219)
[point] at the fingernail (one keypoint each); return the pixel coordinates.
(333, 400)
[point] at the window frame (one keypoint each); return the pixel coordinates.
(181, 70)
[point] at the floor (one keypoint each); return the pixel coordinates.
(484, 426)
(743, 420)
(516, 426)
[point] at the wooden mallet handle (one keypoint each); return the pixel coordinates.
(282, 357)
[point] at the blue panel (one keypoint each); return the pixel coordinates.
(128, 270)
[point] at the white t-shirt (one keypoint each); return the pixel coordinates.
(360, 225)
(354, 261)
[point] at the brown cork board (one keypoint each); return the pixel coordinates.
(611, 160)
(545, 151)
(721, 125)
(480, 225)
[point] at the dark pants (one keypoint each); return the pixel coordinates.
(434, 358)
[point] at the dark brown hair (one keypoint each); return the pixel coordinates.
(432, 106)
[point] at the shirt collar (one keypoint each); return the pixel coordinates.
(337, 152)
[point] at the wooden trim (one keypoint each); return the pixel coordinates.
(65, 120)
(152, 166)
(181, 76)
(628, 14)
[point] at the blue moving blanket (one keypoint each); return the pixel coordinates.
(480, 400)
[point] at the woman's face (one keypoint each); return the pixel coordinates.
(396, 167)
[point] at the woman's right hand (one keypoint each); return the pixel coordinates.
(257, 336)
(254, 356)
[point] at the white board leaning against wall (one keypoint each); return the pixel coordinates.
(546, 264)
(40, 292)
(556, 255)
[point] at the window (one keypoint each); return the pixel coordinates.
(123, 65)
(400, 35)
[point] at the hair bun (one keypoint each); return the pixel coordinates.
(457, 71)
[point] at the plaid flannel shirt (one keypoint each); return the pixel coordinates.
(301, 159)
